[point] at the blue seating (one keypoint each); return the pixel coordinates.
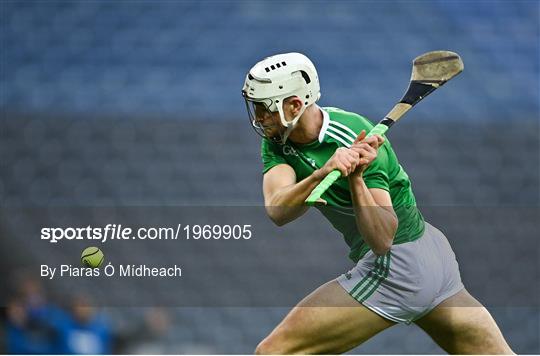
(122, 104)
(188, 59)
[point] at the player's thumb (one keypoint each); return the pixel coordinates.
(360, 137)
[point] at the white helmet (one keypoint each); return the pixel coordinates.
(277, 78)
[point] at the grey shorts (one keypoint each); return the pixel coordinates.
(407, 282)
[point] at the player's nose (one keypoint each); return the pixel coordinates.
(261, 118)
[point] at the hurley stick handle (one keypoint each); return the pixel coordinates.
(332, 177)
(430, 71)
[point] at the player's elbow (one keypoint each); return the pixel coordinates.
(384, 244)
(383, 239)
(278, 221)
(382, 248)
(281, 215)
(275, 214)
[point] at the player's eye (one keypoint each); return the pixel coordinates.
(261, 111)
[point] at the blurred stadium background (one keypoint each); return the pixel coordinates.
(137, 103)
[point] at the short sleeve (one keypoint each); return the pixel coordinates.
(271, 155)
(376, 175)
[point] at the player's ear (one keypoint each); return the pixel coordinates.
(294, 104)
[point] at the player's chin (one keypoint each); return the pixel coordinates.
(271, 133)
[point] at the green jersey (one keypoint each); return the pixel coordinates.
(339, 129)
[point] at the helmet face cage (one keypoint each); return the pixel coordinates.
(251, 107)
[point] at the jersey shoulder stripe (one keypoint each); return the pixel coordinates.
(336, 137)
(346, 128)
(334, 131)
(352, 121)
(342, 126)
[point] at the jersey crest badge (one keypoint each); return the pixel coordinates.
(289, 151)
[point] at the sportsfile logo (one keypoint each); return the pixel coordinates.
(109, 232)
(120, 232)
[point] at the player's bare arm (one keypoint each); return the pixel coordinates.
(375, 216)
(284, 197)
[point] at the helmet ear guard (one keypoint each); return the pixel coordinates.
(289, 125)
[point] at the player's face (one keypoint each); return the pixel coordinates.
(269, 121)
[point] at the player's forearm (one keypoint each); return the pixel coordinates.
(287, 204)
(376, 224)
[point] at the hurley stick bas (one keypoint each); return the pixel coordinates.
(429, 72)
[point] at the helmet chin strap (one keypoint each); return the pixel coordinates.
(289, 125)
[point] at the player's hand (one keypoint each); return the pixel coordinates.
(366, 149)
(374, 141)
(344, 160)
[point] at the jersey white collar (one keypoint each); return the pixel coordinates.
(325, 123)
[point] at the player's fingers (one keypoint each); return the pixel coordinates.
(339, 157)
(355, 147)
(361, 136)
(364, 161)
(344, 167)
(373, 141)
(379, 142)
(349, 169)
(363, 146)
(367, 155)
(367, 159)
(354, 159)
(363, 152)
(371, 150)
(341, 169)
(353, 155)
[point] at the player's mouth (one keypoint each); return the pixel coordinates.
(271, 130)
(267, 127)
